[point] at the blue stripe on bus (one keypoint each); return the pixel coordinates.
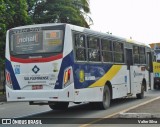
(84, 74)
(87, 74)
(9, 68)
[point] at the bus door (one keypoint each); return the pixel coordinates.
(150, 69)
(129, 62)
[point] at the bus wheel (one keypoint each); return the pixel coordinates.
(59, 106)
(106, 99)
(141, 95)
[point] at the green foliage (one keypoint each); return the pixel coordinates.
(2, 20)
(12, 13)
(16, 13)
(2, 31)
(60, 11)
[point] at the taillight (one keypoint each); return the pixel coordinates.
(8, 79)
(67, 76)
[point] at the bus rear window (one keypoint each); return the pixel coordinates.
(46, 41)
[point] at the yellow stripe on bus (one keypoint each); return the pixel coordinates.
(107, 77)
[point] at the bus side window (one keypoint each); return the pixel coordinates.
(142, 55)
(107, 55)
(118, 52)
(136, 54)
(80, 50)
(93, 49)
(139, 55)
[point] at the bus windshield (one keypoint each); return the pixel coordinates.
(28, 42)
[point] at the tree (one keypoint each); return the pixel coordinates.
(2, 20)
(16, 13)
(2, 32)
(12, 13)
(60, 11)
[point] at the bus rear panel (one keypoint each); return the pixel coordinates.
(36, 67)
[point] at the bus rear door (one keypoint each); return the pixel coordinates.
(129, 61)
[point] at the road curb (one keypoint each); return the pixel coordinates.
(139, 115)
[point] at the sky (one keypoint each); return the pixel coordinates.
(139, 19)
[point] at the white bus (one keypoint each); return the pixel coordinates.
(56, 64)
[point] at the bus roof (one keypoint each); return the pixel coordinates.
(86, 30)
(91, 31)
(38, 25)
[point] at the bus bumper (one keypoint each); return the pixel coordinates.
(55, 95)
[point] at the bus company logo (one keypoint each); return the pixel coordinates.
(81, 75)
(35, 69)
(137, 74)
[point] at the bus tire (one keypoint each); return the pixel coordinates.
(106, 99)
(59, 106)
(141, 95)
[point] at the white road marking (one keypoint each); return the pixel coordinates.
(122, 111)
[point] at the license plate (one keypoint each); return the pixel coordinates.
(37, 87)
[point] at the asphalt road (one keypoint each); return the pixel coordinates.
(81, 114)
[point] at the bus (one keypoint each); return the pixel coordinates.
(156, 64)
(55, 64)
